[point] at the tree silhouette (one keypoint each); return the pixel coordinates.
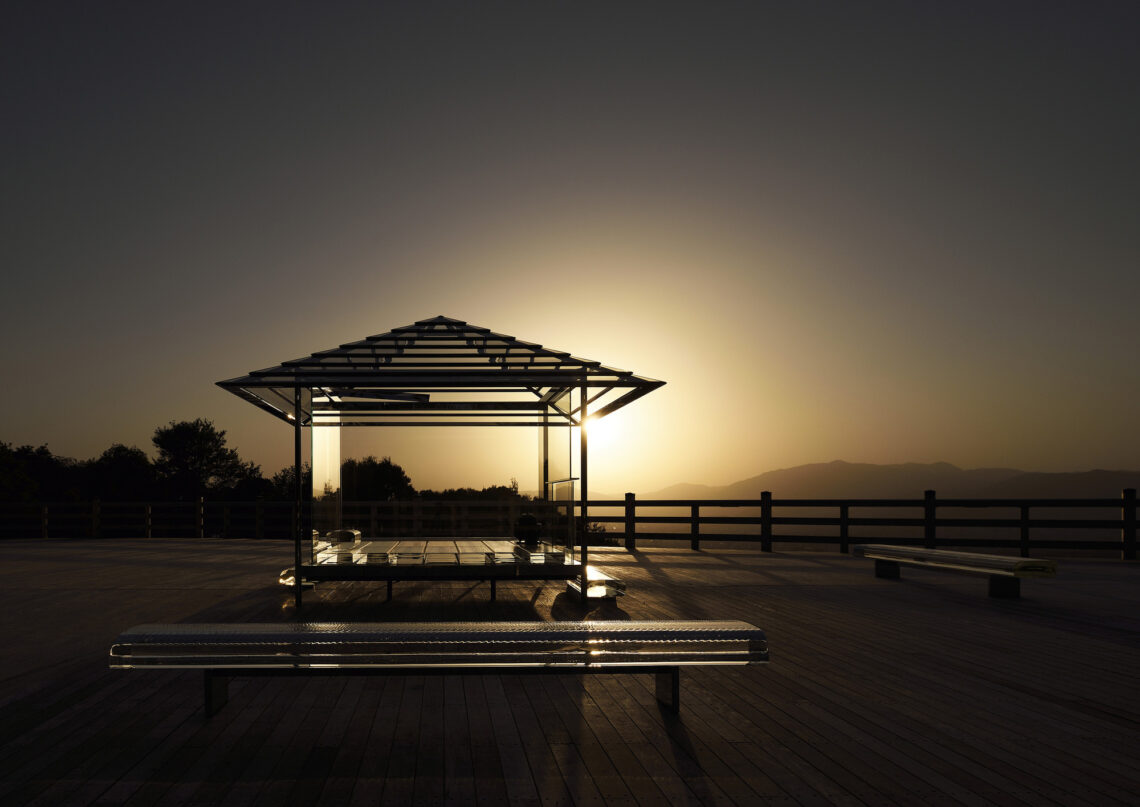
(284, 482)
(370, 479)
(193, 460)
(29, 473)
(123, 473)
(16, 484)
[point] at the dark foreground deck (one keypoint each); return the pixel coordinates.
(923, 690)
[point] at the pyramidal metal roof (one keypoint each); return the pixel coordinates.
(440, 372)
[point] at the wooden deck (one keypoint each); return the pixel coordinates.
(922, 690)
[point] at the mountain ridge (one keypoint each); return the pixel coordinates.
(840, 479)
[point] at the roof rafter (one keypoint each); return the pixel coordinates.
(444, 368)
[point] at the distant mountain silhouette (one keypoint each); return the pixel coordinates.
(854, 480)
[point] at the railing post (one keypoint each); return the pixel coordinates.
(765, 521)
(149, 521)
(259, 520)
(417, 519)
(695, 528)
(44, 521)
(200, 517)
(928, 507)
(843, 538)
(630, 522)
(225, 521)
(1128, 523)
(94, 518)
(1025, 530)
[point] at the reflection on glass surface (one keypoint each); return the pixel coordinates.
(451, 553)
(326, 473)
(555, 443)
(562, 512)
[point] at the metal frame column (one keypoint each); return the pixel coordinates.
(584, 495)
(298, 490)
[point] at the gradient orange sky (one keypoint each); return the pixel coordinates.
(878, 232)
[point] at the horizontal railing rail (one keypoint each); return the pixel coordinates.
(1022, 524)
(1013, 523)
(204, 518)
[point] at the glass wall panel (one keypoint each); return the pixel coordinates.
(556, 457)
(326, 474)
(558, 460)
(553, 454)
(562, 499)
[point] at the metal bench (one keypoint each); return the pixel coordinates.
(224, 651)
(1004, 572)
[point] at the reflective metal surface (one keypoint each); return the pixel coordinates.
(460, 644)
(413, 552)
(960, 561)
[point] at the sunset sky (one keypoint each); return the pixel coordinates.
(877, 232)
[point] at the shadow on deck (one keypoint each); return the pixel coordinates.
(922, 690)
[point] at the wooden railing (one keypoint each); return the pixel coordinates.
(194, 519)
(418, 518)
(1022, 524)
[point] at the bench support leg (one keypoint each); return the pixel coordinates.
(217, 691)
(886, 569)
(669, 688)
(1005, 587)
(492, 590)
(389, 589)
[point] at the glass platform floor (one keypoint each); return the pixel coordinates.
(419, 552)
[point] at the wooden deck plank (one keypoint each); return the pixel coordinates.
(846, 765)
(566, 696)
(909, 722)
(671, 752)
(61, 764)
(934, 690)
(490, 785)
(289, 746)
(374, 762)
(599, 710)
(431, 764)
(346, 766)
(33, 746)
(641, 731)
(528, 781)
(879, 692)
(400, 775)
(919, 732)
(933, 685)
(101, 745)
(455, 739)
(225, 760)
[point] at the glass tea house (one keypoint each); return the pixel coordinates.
(440, 372)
